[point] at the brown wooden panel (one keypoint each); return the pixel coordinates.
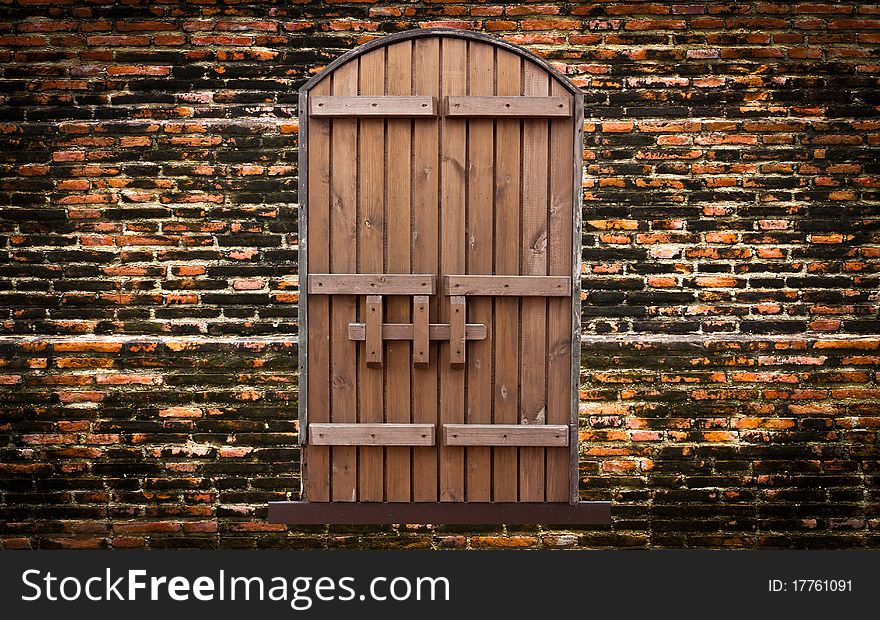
(421, 329)
(534, 262)
(373, 331)
(508, 136)
(525, 107)
(505, 435)
(559, 321)
(453, 182)
(516, 286)
(480, 167)
(343, 259)
(425, 255)
(371, 228)
(372, 434)
(371, 283)
(316, 459)
(372, 106)
(397, 257)
(405, 331)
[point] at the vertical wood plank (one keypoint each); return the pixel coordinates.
(507, 249)
(452, 257)
(343, 259)
(534, 262)
(399, 82)
(371, 248)
(457, 342)
(425, 256)
(316, 459)
(481, 69)
(421, 339)
(373, 342)
(559, 334)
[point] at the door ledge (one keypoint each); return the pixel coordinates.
(446, 513)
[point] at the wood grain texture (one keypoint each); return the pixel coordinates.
(371, 284)
(559, 336)
(316, 459)
(343, 308)
(480, 214)
(515, 286)
(425, 246)
(371, 228)
(534, 262)
(421, 331)
(499, 107)
(452, 259)
(505, 435)
(320, 107)
(373, 339)
(405, 331)
(363, 434)
(398, 259)
(507, 251)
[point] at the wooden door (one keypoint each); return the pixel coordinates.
(439, 260)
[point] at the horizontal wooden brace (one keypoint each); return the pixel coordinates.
(518, 286)
(449, 513)
(541, 107)
(404, 331)
(371, 434)
(322, 106)
(505, 435)
(371, 284)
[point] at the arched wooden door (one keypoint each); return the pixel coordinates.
(439, 255)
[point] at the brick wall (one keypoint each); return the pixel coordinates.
(731, 337)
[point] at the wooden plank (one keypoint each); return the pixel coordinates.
(448, 513)
(374, 330)
(527, 107)
(559, 323)
(371, 283)
(425, 254)
(452, 258)
(405, 331)
(397, 258)
(480, 207)
(517, 286)
(457, 340)
(371, 226)
(421, 330)
(505, 469)
(371, 434)
(343, 259)
(534, 262)
(372, 106)
(316, 459)
(505, 435)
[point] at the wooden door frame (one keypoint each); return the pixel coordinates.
(578, 512)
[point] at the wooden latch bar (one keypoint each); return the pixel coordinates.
(371, 284)
(518, 286)
(374, 330)
(457, 314)
(338, 434)
(550, 435)
(330, 106)
(540, 107)
(421, 329)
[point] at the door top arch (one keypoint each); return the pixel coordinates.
(452, 33)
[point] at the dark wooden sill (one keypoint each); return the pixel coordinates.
(440, 513)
